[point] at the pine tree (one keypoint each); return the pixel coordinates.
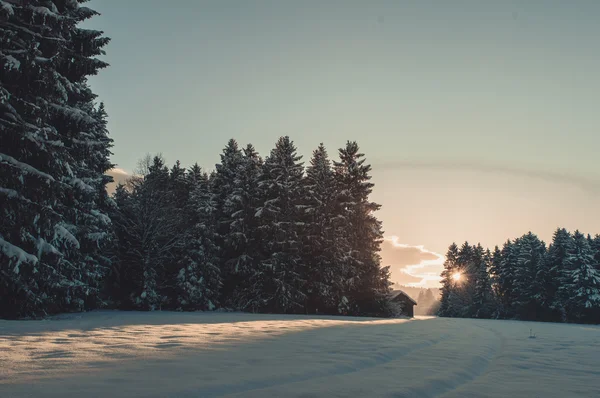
(527, 285)
(581, 282)
(429, 299)
(448, 301)
(223, 180)
(421, 298)
(322, 250)
(464, 289)
(120, 281)
(556, 258)
(369, 285)
(198, 278)
(85, 209)
(595, 246)
(150, 222)
(51, 200)
(179, 185)
(482, 297)
(280, 277)
(241, 242)
(495, 272)
(506, 278)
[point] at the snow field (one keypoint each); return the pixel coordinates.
(135, 354)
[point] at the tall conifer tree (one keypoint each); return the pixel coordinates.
(279, 279)
(241, 242)
(369, 284)
(53, 220)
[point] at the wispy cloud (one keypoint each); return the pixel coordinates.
(117, 170)
(119, 176)
(422, 269)
(587, 183)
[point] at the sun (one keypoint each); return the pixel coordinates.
(457, 276)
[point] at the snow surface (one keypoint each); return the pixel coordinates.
(164, 354)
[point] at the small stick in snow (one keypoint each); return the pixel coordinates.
(531, 334)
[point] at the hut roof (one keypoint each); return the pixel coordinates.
(398, 292)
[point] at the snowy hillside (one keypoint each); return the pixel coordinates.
(118, 354)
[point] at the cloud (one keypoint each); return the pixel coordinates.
(590, 184)
(411, 265)
(118, 171)
(119, 176)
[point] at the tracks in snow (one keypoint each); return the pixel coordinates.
(362, 363)
(464, 364)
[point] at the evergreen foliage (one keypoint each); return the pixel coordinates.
(259, 236)
(368, 285)
(525, 280)
(53, 157)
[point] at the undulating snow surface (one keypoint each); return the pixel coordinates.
(133, 354)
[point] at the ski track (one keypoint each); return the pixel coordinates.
(135, 354)
(354, 366)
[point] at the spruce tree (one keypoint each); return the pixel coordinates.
(123, 272)
(149, 222)
(506, 278)
(464, 289)
(223, 180)
(421, 298)
(495, 271)
(198, 276)
(179, 185)
(369, 285)
(556, 261)
(279, 278)
(449, 300)
(241, 241)
(483, 302)
(595, 246)
(429, 299)
(527, 285)
(54, 225)
(322, 247)
(581, 282)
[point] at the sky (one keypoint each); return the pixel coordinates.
(479, 117)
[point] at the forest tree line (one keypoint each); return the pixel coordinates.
(525, 279)
(253, 235)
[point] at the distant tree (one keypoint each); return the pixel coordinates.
(149, 222)
(483, 300)
(508, 265)
(495, 271)
(527, 285)
(123, 272)
(179, 185)
(429, 297)
(449, 305)
(464, 290)
(556, 262)
(524, 280)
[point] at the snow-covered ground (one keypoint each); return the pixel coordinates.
(133, 354)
